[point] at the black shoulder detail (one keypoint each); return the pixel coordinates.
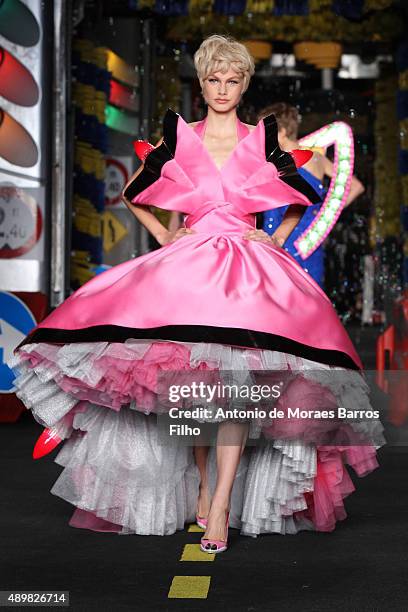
(156, 159)
(285, 162)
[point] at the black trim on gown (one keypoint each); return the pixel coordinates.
(193, 333)
(285, 162)
(157, 157)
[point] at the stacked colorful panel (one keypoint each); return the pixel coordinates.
(402, 110)
(91, 92)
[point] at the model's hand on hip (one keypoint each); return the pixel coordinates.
(173, 236)
(260, 235)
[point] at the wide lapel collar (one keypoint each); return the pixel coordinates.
(246, 158)
(194, 158)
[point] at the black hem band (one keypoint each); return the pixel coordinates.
(193, 333)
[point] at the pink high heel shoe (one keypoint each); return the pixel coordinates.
(215, 546)
(201, 521)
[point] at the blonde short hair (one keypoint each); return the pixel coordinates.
(287, 116)
(220, 53)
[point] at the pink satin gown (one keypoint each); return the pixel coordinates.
(211, 300)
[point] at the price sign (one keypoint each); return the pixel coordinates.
(116, 178)
(21, 222)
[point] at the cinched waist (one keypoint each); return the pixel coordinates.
(224, 211)
(218, 232)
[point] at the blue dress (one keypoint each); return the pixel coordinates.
(314, 264)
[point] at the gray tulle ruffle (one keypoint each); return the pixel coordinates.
(121, 473)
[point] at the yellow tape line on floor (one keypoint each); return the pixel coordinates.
(189, 587)
(193, 552)
(195, 528)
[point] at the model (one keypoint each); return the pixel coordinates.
(221, 300)
(313, 172)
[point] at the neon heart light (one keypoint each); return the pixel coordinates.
(340, 135)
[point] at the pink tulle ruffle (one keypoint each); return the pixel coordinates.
(332, 483)
(124, 380)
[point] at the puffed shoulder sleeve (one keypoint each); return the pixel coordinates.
(274, 180)
(162, 182)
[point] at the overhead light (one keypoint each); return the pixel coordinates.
(121, 70)
(121, 121)
(280, 65)
(353, 67)
(123, 96)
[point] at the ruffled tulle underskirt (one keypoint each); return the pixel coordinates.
(122, 478)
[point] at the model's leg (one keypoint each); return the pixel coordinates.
(231, 440)
(204, 497)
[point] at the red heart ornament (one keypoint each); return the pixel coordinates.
(301, 156)
(142, 148)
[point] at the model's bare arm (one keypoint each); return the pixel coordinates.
(290, 220)
(175, 221)
(147, 218)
